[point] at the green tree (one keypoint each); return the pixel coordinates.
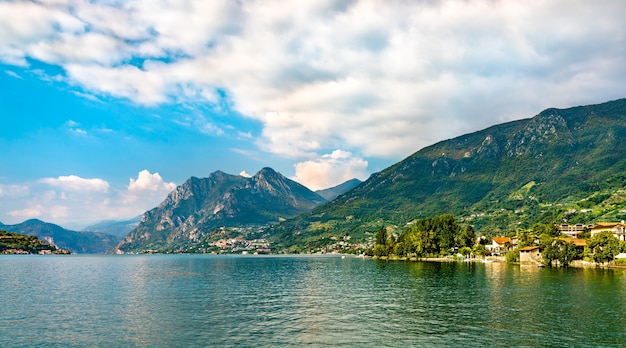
(381, 236)
(380, 250)
(556, 249)
(603, 247)
(567, 253)
(512, 256)
(467, 237)
(525, 239)
(479, 250)
(465, 251)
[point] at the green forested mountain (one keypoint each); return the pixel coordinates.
(561, 165)
(203, 205)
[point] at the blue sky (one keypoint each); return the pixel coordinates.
(105, 106)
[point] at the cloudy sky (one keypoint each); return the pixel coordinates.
(106, 106)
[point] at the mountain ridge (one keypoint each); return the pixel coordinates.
(202, 205)
(569, 154)
(83, 242)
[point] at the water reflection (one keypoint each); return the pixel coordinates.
(182, 300)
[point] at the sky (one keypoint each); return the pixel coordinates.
(107, 106)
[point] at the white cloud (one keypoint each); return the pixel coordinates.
(245, 174)
(383, 78)
(74, 202)
(149, 182)
(330, 170)
(13, 74)
(76, 183)
(27, 213)
(13, 190)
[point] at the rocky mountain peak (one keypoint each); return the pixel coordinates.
(199, 206)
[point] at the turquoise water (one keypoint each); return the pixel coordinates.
(270, 301)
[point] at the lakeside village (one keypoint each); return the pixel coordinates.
(555, 245)
(602, 243)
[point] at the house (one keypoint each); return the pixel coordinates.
(498, 245)
(530, 254)
(617, 228)
(574, 230)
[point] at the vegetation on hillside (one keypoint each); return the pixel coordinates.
(15, 243)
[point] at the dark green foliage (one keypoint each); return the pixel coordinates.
(603, 247)
(512, 256)
(467, 237)
(555, 249)
(426, 237)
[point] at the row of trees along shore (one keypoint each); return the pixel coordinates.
(442, 235)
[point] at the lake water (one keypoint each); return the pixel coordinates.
(273, 301)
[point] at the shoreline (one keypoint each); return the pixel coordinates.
(495, 259)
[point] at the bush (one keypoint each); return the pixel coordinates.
(512, 256)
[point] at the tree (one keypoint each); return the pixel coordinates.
(381, 243)
(512, 256)
(465, 251)
(567, 253)
(467, 237)
(479, 250)
(525, 239)
(556, 249)
(381, 236)
(603, 247)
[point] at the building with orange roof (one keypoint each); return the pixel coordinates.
(617, 228)
(498, 245)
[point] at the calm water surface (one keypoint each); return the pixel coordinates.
(270, 301)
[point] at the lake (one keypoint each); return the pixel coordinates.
(293, 301)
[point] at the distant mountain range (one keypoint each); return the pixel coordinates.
(76, 242)
(331, 193)
(561, 165)
(114, 227)
(200, 206)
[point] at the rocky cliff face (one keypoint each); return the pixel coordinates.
(200, 206)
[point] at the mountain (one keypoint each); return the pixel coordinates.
(331, 193)
(76, 242)
(200, 206)
(114, 227)
(561, 165)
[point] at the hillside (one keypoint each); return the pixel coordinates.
(563, 164)
(15, 243)
(76, 242)
(201, 206)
